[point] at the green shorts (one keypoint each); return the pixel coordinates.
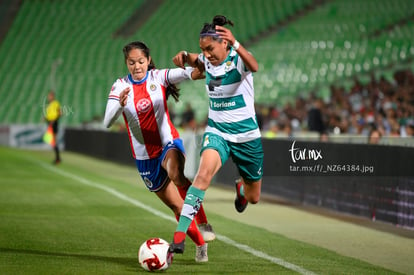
(247, 156)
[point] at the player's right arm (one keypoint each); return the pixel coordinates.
(117, 100)
(181, 58)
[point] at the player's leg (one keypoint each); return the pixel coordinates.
(156, 179)
(210, 163)
(170, 197)
(240, 202)
(56, 146)
(201, 217)
(248, 158)
(252, 190)
(247, 192)
(173, 163)
(57, 154)
(205, 228)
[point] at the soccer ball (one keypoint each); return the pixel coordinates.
(153, 255)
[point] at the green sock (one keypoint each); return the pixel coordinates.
(192, 203)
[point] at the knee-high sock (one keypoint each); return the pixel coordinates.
(194, 233)
(192, 203)
(201, 215)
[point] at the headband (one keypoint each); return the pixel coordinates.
(213, 34)
(209, 31)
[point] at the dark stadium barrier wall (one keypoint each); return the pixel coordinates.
(372, 181)
(112, 146)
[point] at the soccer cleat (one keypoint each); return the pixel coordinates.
(177, 247)
(201, 253)
(170, 257)
(240, 202)
(207, 231)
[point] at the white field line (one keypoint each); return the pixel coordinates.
(160, 214)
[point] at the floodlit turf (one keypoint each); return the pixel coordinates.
(84, 217)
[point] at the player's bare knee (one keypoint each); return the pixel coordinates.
(202, 180)
(177, 177)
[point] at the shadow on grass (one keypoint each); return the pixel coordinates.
(129, 262)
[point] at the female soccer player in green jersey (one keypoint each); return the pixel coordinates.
(232, 129)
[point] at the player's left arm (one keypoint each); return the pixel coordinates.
(249, 60)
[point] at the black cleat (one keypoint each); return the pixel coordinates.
(240, 202)
(177, 247)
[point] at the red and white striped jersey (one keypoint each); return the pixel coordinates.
(146, 113)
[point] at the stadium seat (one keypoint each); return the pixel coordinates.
(331, 43)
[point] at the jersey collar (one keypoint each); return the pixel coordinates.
(137, 81)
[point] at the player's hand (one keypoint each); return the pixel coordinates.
(123, 96)
(197, 74)
(180, 58)
(226, 34)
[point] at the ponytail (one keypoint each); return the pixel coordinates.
(209, 29)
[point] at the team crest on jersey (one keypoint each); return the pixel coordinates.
(153, 87)
(143, 105)
(228, 66)
(148, 183)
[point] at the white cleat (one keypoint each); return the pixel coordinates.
(201, 253)
(207, 231)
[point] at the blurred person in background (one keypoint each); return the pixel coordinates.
(316, 121)
(273, 130)
(52, 114)
(188, 133)
(374, 136)
(188, 116)
(232, 129)
(409, 128)
(141, 97)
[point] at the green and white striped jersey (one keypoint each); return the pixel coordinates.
(231, 94)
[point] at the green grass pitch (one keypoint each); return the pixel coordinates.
(88, 216)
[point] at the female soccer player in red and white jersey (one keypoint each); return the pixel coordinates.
(141, 97)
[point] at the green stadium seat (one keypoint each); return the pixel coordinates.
(330, 44)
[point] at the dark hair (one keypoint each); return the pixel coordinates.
(209, 29)
(171, 88)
